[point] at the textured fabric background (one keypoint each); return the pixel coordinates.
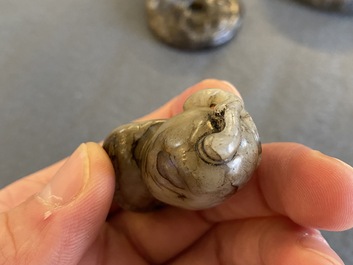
(70, 71)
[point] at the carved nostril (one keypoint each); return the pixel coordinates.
(197, 7)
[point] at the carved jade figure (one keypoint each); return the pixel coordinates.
(194, 24)
(194, 160)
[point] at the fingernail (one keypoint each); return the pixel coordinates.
(69, 181)
(343, 163)
(318, 245)
(231, 88)
(330, 158)
(227, 83)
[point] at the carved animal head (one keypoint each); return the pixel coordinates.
(198, 158)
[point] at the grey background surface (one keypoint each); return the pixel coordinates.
(70, 71)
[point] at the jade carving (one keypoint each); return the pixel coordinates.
(194, 160)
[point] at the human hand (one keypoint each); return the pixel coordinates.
(63, 215)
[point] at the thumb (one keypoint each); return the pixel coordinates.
(57, 225)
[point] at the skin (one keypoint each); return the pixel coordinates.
(272, 220)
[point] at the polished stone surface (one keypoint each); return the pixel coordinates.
(71, 71)
(194, 24)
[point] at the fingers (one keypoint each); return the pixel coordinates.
(59, 223)
(175, 105)
(311, 188)
(314, 190)
(160, 235)
(178, 237)
(264, 241)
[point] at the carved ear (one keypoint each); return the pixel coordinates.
(131, 192)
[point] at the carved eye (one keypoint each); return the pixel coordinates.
(168, 170)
